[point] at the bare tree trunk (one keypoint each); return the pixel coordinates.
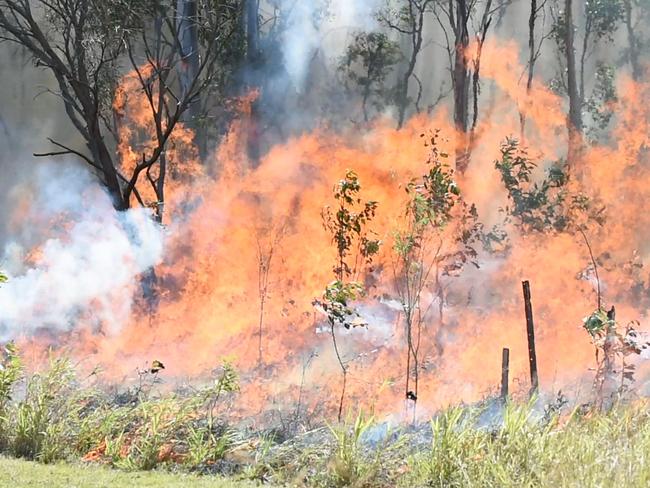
(253, 60)
(583, 55)
(416, 14)
(252, 31)
(632, 40)
(574, 121)
(486, 20)
(188, 43)
(189, 47)
(366, 97)
(532, 57)
(461, 84)
(102, 157)
(404, 84)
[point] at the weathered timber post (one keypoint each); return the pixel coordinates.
(530, 328)
(505, 370)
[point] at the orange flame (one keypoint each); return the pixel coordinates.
(209, 281)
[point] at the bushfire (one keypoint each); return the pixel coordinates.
(245, 254)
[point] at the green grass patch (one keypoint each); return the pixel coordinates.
(20, 473)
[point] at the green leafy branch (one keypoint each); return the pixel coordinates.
(437, 239)
(613, 347)
(347, 226)
(543, 205)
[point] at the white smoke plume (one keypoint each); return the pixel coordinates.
(71, 256)
(323, 25)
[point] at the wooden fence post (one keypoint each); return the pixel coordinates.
(530, 328)
(505, 370)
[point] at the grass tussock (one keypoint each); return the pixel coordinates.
(524, 448)
(50, 416)
(594, 449)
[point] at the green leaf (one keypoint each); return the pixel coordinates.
(596, 323)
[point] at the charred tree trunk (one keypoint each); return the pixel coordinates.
(416, 45)
(574, 121)
(583, 54)
(416, 14)
(103, 160)
(252, 31)
(486, 20)
(188, 42)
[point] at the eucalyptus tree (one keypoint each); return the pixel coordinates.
(88, 45)
(369, 59)
(577, 43)
(461, 22)
(408, 20)
(636, 17)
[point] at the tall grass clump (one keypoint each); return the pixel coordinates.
(39, 427)
(530, 450)
(49, 416)
(10, 373)
(454, 445)
(349, 465)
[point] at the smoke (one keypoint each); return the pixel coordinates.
(300, 41)
(87, 256)
(321, 26)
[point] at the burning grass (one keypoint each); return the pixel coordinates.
(54, 416)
